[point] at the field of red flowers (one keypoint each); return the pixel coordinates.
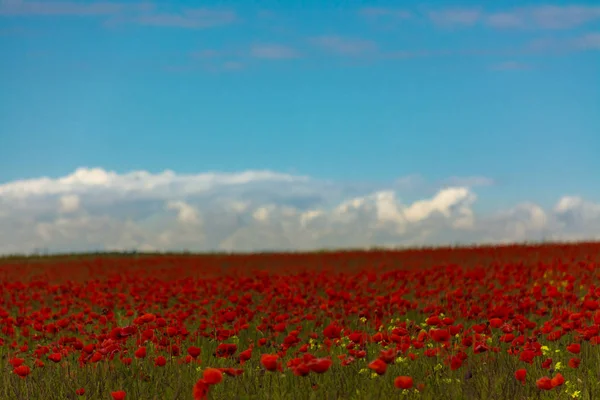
(511, 322)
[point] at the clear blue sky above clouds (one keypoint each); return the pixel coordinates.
(344, 91)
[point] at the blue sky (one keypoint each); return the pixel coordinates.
(354, 92)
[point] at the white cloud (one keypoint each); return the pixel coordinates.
(69, 203)
(264, 210)
(261, 214)
(185, 213)
(522, 222)
(578, 217)
(443, 203)
(85, 180)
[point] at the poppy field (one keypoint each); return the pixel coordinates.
(505, 322)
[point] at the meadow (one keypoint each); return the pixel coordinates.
(504, 322)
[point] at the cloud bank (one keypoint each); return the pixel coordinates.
(543, 16)
(141, 13)
(95, 209)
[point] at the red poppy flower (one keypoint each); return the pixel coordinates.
(378, 366)
(496, 322)
(388, 356)
(160, 361)
(270, 362)
(547, 363)
(22, 371)
(225, 350)
(332, 331)
(15, 361)
(140, 352)
(232, 371)
(200, 390)
(146, 318)
(558, 380)
(118, 395)
(574, 362)
(521, 375)
(55, 357)
(194, 351)
(212, 376)
(245, 356)
(301, 370)
(320, 365)
(440, 335)
(527, 356)
(544, 383)
(403, 382)
(574, 348)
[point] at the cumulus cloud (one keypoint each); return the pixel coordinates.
(95, 209)
(69, 203)
(577, 217)
(186, 213)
